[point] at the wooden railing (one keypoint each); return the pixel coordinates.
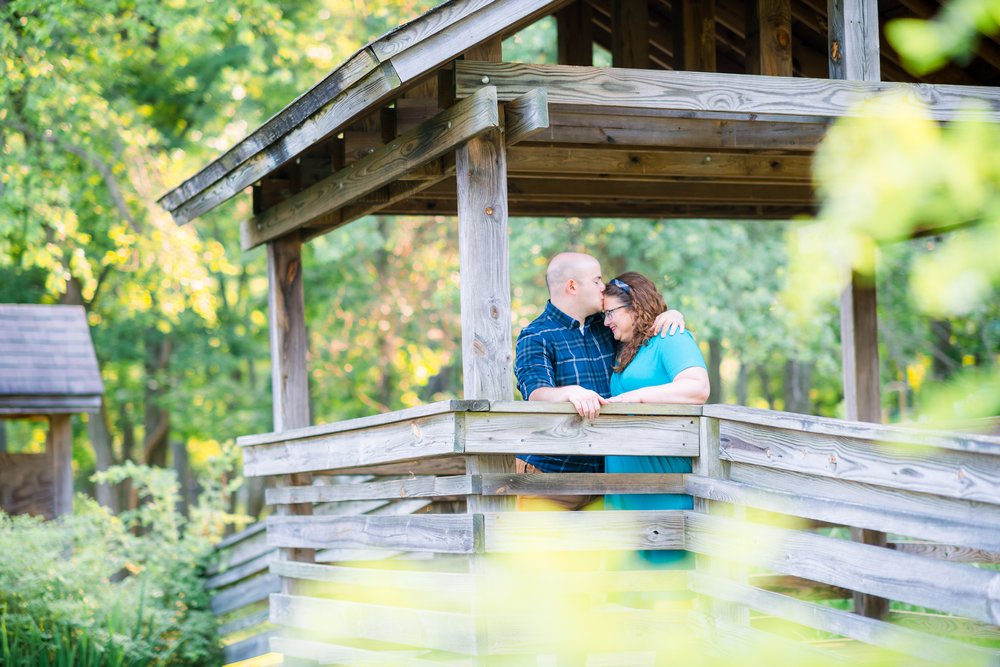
(403, 575)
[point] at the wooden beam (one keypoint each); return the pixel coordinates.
(575, 34)
(853, 40)
(769, 37)
(620, 209)
(526, 116)
(630, 33)
(713, 95)
(694, 35)
(59, 449)
(411, 150)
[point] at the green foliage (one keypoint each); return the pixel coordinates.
(116, 590)
(927, 45)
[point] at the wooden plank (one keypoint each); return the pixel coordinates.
(769, 37)
(245, 649)
(586, 484)
(630, 164)
(583, 531)
(446, 631)
(326, 653)
(859, 348)
(240, 572)
(704, 94)
(946, 626)
(415, 487)
(564, 408)
(526, 116)
(949, 473)
(630, 33)
(855, 505)
(665, 192)
(440, 466)
(246, 622)
(694, 35)
(242, 552)
(453, 582)
(853, 38)
(493, 433)
(240, 536)
(954, 553)
(438, 533)
(352, 450)
(59, 449)
(948, 587)
(396, 417)
(870, 631)
(289, 344)
(371, 90)
(245, 593)
(914, 437)
(575, 34)
(409, 151)
(26, 484)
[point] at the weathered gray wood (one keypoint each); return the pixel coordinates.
(949, 473)
(242, 571)
(966, 442)
(565, 408)
(245, 622)
(454, 582)
(769, 37)
(245, 593)
(59, 450)
(859, 347)
(954, 553)
(440, 630)
(409, 151)
(240, 548)
(289, 346)
(334, 654)
(415, 487)
(948, 587)
(865, 507)
(247, 648)
(540, 484)
(26, 484)
(526, 116)
(583, 531)
(495, 433)
(396, 417)
(852, 32)
(704, 94)
(394, 442)
(370, 91)
(439, 533)
(870, 631)
(440, 466)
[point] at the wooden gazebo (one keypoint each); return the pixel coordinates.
(710, 109)
(48, 370)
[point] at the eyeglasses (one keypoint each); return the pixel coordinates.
(609, 313)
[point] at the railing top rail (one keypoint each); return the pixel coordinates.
(455, 405)
(965, 442)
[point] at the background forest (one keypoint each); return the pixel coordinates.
(107, 103)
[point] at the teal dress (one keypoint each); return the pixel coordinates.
(659, 361)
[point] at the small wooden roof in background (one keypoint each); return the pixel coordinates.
(47, 361)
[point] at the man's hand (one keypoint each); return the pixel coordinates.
(587, 403)
(668, 322)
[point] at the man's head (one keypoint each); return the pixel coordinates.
(575, 284)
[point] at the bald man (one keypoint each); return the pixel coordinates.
(566, 353)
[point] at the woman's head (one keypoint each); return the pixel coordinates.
(631, 304)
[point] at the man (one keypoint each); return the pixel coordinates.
(566, 354)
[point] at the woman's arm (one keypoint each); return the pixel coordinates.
(690, 386)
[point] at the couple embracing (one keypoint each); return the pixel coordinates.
(598, 343)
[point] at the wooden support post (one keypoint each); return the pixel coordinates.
(769, 37)
(575, 29)
(59, 449)
(630, 33)
(289, 375)
(694, 35)
(854, 55)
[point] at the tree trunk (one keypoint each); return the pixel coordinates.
(765, 385)
(185, 478)
(715, 370)
(104, 457)
(3, 436)
(155, 418)
(797, 383)
(741, 384)
(944, 359)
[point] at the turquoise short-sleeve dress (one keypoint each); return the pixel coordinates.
(658, 362)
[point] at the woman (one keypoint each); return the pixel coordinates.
(650, 369)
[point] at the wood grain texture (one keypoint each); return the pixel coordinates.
(59, 450)
(583, 531)
(859, 351)
(351, 450)
(26, 484)
(245, 593)
(242, 571)
(954, 553)
(444, 631)
(769, 37)
(453, 582)
(949, 473)
(870, 631)
(287, 326)
(494, 433)
(853, 40)
(525, 117)
(747, 97)
(948, 587)
(694, 36)
(541, 484)
(415, 487)
(439, 533)
(410, 151)
(630, 33)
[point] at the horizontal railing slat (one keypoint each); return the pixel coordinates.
(250, 647)
(333, 654)
(244, 622)
(583, 531)
(439, 533)
(245, 593)
(247, 569)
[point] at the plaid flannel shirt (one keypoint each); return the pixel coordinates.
(554, 351)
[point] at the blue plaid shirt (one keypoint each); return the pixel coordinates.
(554, 351)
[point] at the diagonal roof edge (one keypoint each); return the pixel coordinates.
(387, 64)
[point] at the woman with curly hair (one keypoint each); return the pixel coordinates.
(650, 369)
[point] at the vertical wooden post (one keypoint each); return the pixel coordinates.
(694, 35)
(854, 55)
(769, 37)
(575, 30)
(630, 33)
(59, 448)
(289, 374)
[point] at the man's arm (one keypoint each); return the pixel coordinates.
(535, 371)
(587, 402)
(668, 322)
(690, 387)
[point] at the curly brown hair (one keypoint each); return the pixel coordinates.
(641, 296)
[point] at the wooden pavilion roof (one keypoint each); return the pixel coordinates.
(671, 159)
(47, 361)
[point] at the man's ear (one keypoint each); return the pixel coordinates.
(571, 286)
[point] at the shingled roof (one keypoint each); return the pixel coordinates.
(47, 361)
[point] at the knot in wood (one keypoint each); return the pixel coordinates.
(494, 312)
(784, 38)
(836, 55)
(488, 210)
(767, 452)
(478, 348)
(833, 459)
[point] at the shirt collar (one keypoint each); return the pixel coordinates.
(571, 322)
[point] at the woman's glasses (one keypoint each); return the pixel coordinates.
(609, 313)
